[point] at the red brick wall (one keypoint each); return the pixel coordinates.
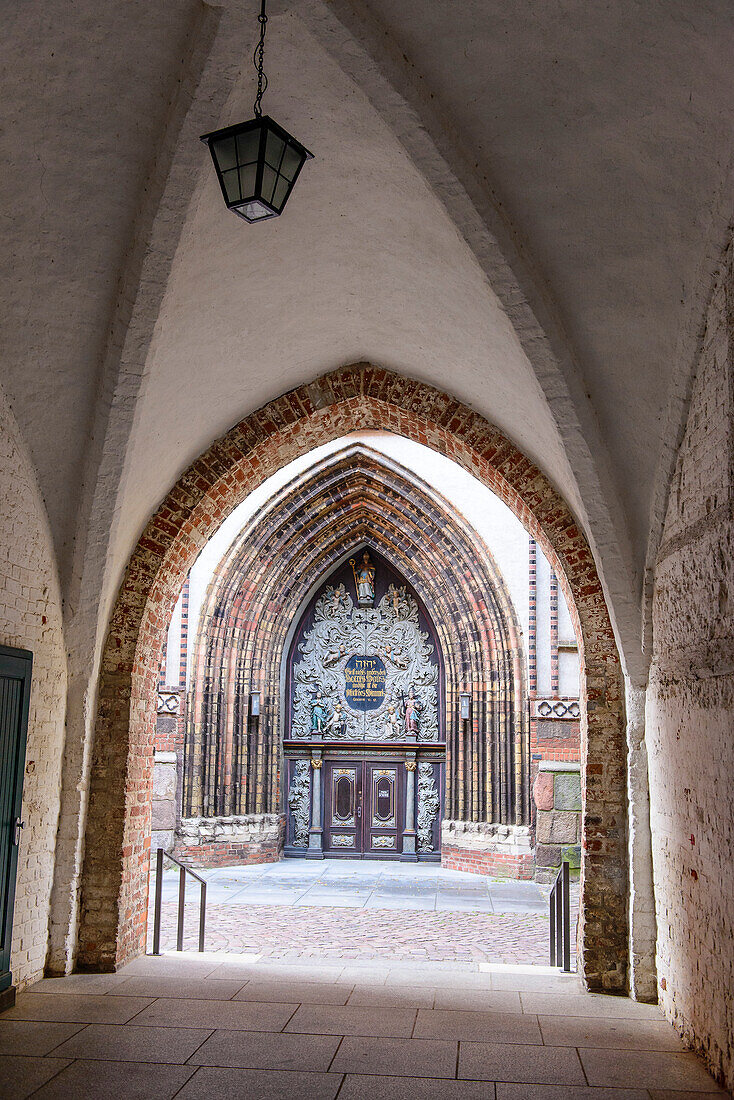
(493, 864)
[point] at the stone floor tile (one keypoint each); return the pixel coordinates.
(543, 982)
(288, 972)
(588, 1004)
(185, 964)
(122, 1081)
(79, 983)
(259, 1084)
(396, 1057)
(393, 901)
(507, 1091)
(352, 1020)
(340, 901)
(588, 1031)
(365, 1087)
(76, 1008)
(515, 1062)
(488, 1027)
(358, 972)
(20, 1076)
(392, 996)
(189, 988)
(478, 1000)
(233, 1015)
(297, 992)
(130, 1043)
(33, 1036)
(267, 1050)
(645, 1069)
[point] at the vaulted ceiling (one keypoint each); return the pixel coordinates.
(517, 203)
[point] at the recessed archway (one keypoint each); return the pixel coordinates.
(114, 883)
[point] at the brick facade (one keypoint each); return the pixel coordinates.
(114, 887)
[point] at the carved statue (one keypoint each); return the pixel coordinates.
(413, 711)
(364, 579)
(337, 723)
(392, 723)
(319, 713)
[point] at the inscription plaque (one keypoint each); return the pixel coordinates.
(364, 679)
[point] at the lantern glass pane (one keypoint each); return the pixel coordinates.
(254, 211)
(247, 180)
(269, 180)
(225, 153)
(231, 182)
(292, 160)
(280, 193)
(247, 146)
(274, 150)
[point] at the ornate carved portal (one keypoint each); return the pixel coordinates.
(364, 682)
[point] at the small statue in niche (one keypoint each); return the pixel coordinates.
(413, 711)
(364, 579)
(319, 713)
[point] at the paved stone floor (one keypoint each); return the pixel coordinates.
(362, 909)
(245, 1027)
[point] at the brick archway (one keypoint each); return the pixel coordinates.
(359, 397)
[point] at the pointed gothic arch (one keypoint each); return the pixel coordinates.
(262, 588)
(114, 880)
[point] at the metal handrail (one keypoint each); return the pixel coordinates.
(560, 920)
(184, 871)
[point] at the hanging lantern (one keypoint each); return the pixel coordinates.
(257, 162)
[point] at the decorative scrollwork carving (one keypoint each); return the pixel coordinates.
(390, 632)
(429, 802)
(299, 800)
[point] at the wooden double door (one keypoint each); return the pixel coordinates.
(364, 808)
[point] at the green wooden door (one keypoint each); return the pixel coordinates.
(15, 690)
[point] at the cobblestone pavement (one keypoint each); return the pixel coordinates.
(384, 912)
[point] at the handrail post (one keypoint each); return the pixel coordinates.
(552, 926)
(158, 899)
(181, 905)
(202, 916)
(565, 893)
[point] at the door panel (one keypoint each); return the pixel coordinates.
(383, 808)
(343, 806)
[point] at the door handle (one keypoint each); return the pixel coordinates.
(18, 826)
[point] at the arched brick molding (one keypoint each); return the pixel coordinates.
(260, 588)
(359, 397)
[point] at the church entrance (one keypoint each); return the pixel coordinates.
(364, 748)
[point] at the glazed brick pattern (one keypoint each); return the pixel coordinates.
(689, 708)
(114, 887)
(256, 596)
(493, 864)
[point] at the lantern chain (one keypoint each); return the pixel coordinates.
(257, 59)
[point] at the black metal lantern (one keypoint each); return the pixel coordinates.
(257, 162)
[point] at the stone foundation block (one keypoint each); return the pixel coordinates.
(543, 791)
(229, 841)
(567, 791)
(572, 855)
(486, 848)
(557, 827)
(548, 855)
